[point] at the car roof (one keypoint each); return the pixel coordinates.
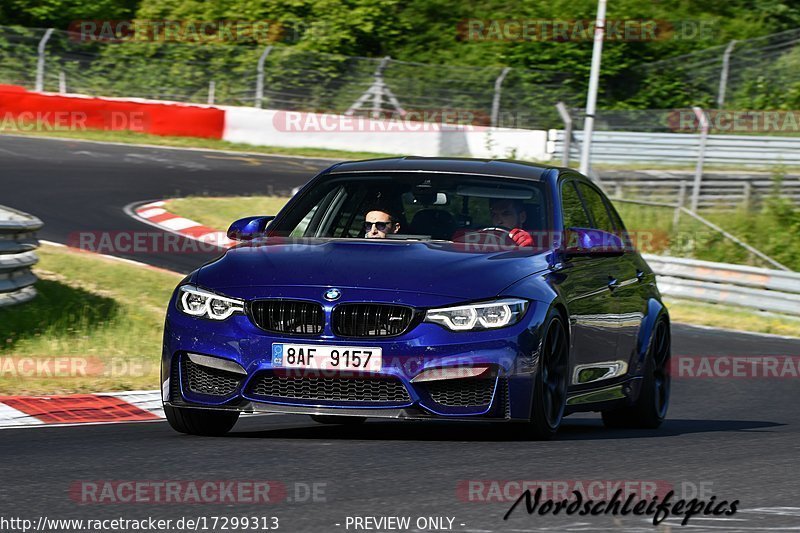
(485, 167)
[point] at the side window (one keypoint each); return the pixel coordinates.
(597, 208)
(572, 208)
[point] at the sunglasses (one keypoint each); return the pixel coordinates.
(382, 226)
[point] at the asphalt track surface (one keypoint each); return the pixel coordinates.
(733, 438)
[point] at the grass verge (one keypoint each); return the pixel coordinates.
(129, 137)
(96, 325)
(728, 317)
(218, 213)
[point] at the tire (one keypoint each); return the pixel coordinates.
(334, 419)
(204, 422)
(550, 385)
(650, 408)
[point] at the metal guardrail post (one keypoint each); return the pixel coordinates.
(17, 245)
(701, 155)
(41, 58)
(260, 77)
(748, 194)
(498, 89)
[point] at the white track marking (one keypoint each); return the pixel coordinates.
(179, 223)
(10, 418)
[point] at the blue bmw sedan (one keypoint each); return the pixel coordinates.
(423, 289)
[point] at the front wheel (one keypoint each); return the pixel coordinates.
(651, 406)
(550, 386)
(205, 422)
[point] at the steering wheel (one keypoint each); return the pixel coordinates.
(500, 231)
(495, 228)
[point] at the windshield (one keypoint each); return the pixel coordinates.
(418, 206)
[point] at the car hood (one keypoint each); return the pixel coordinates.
(438, 268)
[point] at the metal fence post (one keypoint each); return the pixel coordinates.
(40, 60)
(62, 82)
(498, 89)
(723, 77)
(212, 89)
(701, 154)
(676, 217)
(565, 116)
(260, 76)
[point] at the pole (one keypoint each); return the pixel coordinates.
(498, 89)
(40, 60)
(723, 77)
(594, 80)
(378, 88)
(62, 82)
(701, 155)
(565, 116)
(260, 76)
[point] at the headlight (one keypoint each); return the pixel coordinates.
(198, 302)
(487, 315)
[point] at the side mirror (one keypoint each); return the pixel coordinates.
(248, 228)
(592, 242)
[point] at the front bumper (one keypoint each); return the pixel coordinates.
(504, 393)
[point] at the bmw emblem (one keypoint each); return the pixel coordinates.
(332, 294)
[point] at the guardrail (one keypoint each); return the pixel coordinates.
(17, 245)
(756, 288)
(682, 148)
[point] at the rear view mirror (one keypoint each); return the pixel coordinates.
(248, 228)
(427, 198)
(592, 242)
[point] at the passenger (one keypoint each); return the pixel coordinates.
(378, 223)
(511, 214)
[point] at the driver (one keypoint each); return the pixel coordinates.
(511, 214)
(378, 223)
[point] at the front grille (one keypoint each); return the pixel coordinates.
(371, 320)
(212, 381)
(340, 389)
(288, 316)
(468, 392)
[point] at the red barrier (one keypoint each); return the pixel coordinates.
(29, 111)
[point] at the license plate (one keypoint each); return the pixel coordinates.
(326, 357)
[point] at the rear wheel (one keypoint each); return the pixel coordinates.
(550, 386)
(333, 419)
(650, 408)
(203, 422)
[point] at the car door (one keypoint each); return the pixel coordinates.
(591, 307)
(625, 289)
